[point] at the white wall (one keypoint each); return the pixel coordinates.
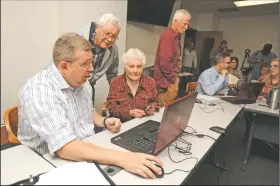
(145, 37)
(29, 30)
(250, 32)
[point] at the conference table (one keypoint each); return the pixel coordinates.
(202, 118)
(264, 125)
(20, 162)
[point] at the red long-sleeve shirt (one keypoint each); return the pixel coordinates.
(165, 72)
(121, 100)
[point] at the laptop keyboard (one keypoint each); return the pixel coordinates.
(139, 139)
(146, 141)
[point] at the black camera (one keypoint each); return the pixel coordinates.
(247, 51)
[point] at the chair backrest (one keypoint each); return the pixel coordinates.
(104, 109)
(11, 123)
(190, 88)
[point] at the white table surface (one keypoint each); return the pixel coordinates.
(182, 74)
(255, 107)
(19, 162)
(199, 120)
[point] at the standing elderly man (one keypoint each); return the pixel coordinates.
(214, 80)
(168, 61)
(102, 35)
(55, 111)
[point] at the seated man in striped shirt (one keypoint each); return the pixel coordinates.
(56, 114)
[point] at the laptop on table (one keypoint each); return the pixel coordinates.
(247, 94)
(151, 136)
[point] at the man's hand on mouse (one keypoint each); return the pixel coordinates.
(139, 163)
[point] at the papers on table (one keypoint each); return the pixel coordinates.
(77, 173)
(19, 162)
(232, 79)
(207, 98)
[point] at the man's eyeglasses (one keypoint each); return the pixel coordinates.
(274, 66)
(85, 65)
(109, 35)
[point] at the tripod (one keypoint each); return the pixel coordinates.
(246, 56)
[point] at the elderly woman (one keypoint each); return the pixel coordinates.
(272, 80)
(233, 69)
(133, 94)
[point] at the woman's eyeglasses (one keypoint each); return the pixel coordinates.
(274, 66)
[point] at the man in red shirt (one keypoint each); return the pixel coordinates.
(168, 61)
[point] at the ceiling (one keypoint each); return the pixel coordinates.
(226, 8)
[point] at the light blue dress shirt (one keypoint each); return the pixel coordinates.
(210, 82)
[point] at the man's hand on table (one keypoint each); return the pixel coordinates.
(113, 124)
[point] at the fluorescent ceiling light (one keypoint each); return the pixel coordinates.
(254, 2)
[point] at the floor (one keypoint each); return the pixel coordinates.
(262, 169)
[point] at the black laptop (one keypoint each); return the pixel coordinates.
(247, 94)
(151, 136)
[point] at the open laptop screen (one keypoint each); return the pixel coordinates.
(175, 119)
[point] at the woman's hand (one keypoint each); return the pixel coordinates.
(137, 113)
(150, 110)
(230, 85)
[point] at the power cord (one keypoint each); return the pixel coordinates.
(271, 146)
(207, 103)
(182, 150)
(222, 169)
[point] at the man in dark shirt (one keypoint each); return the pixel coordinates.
(168, 61)
(215, 51)
(259, 57)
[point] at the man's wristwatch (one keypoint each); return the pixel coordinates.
(104, 122)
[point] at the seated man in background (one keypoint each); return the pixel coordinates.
(272, 80)
(215, 79)
(133, 94)
(264, 72)
(56, 113)
(259, 57)
(233, 69)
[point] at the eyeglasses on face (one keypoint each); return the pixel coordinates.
(85, 65)
(109, 35)
(274, 66)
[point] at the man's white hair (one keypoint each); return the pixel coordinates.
(133, 54)
(179, 14)
(109, 19)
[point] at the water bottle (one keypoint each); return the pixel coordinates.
(273, 99)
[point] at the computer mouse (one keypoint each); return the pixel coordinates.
(156, 174)
(212, 104)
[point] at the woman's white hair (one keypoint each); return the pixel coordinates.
(133, 54)
(109, 19)
(179, 14)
